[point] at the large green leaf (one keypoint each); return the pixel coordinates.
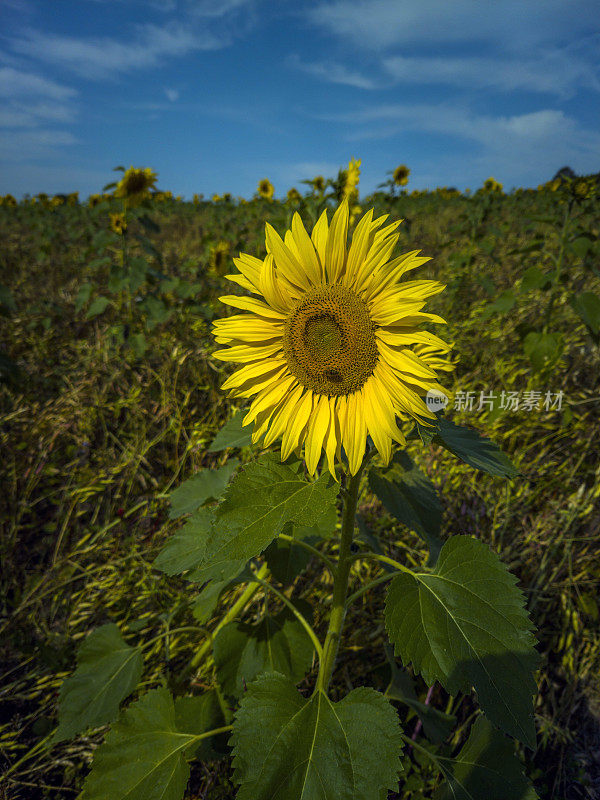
(142, 757)
(290, 748)
(286, 560)
(261, 499)
(232, 434)
(204, 485)
(242, 651)
(587, 305)
(543, 349)
(108, 670)
(409, 495)
(465, 625)
(486, 767)
(436, 724)
(185, 549)
(199, 714)
(476, 450)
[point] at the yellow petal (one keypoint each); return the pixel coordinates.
(306, 250)
(243, 282)
(250, 268)
(378, 255)
(405, 361)
(335, 252)
(319, 238)
(358, 248)
(285, 259)
(273, 290)
(355, 434)
(317, 430)
(244, 354)
(251, 304)
(412, 337)
(282, 414)
(296, 429)
(269, 397)
(375, 425)
(333, 437)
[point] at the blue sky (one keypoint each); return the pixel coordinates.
(215, 95)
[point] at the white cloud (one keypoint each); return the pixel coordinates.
(29, 144)
(377, 24)
(331, 72)
(553, 72)
(172, 94)
(517, 148)
(15, 83)
(101, 57)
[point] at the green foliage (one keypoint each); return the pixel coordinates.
(279, 643)
(205, 485)
(465, 625)
(474, 449)
(543, 349)
(185, 549)
(232, 434)
(108, 670)
(587, 306)
(196, 715)
(436, 724)
(486, 767)
(409, 495)
(259, 502)
(98, 306)
(143, 755)
(314, 749)
(286, 560)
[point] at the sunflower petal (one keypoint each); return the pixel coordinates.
(306, 250)
(335, 252)
(296, 430)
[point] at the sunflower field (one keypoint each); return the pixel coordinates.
(300, 497)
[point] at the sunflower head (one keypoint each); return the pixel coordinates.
(400, 175)
(118, 223)
(352, 175)
(94, 200)
(329, 348)
(219, 257)
(492, 186)
(8, 200)
(265, 189)
(135, 184)
(318, 183)
(293, 195)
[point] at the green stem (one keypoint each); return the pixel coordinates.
(384, 560)
(340, 584)
(325, 559)
(558, 268)
(301, 619)
(387, 577)
(235, 609)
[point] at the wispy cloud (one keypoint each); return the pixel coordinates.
(99, 58)
(331, 72)
(30, 100)
(15, 83)
(553, 72)
(380, 24)
(528, 145)
(172, 94)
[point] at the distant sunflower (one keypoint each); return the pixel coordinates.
(329, 350)
(400, 175)
(265, 189)
(118, 222)
(135, 184)
(294, 195)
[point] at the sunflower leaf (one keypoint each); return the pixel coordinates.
(409, 496)
(465, 625)
(261, 499)
(199, 714)
(290, 748)
(232, 434)
(474, 449)
(142, 757)
(204, 485)
(108, 670)
(242, 651)
(485, 767)
(185, 549)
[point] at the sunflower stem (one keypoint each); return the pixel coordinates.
(340, 583)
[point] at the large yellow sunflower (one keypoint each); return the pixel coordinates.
(329, 346)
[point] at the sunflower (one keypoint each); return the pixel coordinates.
(265, 189)
(400, 175)
(293, 195)
(118, 223)
(328, 347)
(135, 184)
(350, 192)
